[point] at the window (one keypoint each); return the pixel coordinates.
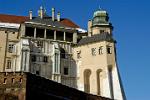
(78, 54)
(93, 51)
(20, 80)
(99, 83)
(100, 50)
(66, 71)
(13, 80)
(6, 31)
(33, 58)
(37, 72)
(87, 74)
(40, 59)
(8, 64)
(109, 50)
(40, 43)
(102, 31)
(5, 81)
(45, 59)
(56, 63)
(62, 53)
(10, 48)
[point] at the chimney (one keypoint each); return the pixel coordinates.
(41, 12)
(30, 14)
(53, 14)
(90, 28)
(58, 16)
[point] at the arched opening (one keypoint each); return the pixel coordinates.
(87, 74)
(98, 74)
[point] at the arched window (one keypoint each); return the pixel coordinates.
(99, 83)
(87, 74)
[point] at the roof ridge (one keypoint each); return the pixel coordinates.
(13, 15)
(95, 38)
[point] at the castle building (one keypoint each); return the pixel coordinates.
(57, 49)
(95, 56)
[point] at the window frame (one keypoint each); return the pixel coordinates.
(66, 71)
(9, 64)
(100, 50)
(102, 31)
(33, 58)
(45, 59)
(93, 51)
(40, 43)
(109, 49)
(78, 54)
(11, 48)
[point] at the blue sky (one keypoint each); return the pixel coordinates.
(131, 21)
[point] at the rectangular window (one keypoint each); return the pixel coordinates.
(13, 80)
(20, 80)
(109, 50)
(100, 50)
(33, 58)
(8, 64)
(40, 44)
(66, 71)
(10, 48)
(93, 50)
(56, 63)
(102, 31)
(5, 81)
(37, 72)
(78, 54)
(45, 59)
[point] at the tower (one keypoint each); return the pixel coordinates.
(95, 55)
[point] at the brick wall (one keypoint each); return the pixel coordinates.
(12, 86)
(27, 86)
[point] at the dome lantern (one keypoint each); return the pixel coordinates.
(100, 17)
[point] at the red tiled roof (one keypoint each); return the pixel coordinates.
(13, 18)
(69, 23)
(21, 19)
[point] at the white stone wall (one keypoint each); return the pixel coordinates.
(94, 63)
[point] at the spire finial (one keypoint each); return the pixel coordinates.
(99, 7)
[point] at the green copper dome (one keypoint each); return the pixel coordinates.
(100, 13)
(100, 17)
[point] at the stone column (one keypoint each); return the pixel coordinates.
(75, 37)
(23, 30)
(23, 60)
(27, 60)
(55, 35)
(45, 34)
(34, 32)
(64, 36)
